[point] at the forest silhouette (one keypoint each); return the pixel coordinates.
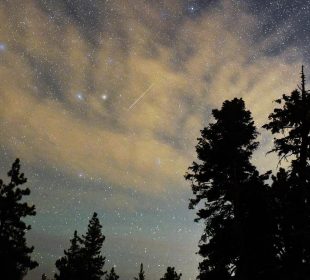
(256, 226)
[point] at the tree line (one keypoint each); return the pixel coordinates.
(83, 260)
(257, 225)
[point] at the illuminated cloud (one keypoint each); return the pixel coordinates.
(52, 89)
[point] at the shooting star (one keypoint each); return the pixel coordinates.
(140, 97)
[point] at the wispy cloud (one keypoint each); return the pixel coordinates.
(189, 65)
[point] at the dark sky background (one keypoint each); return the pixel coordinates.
(103, 102)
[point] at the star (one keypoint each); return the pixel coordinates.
(192, 9)
(80, 96)
(2, 47)
(104, 97)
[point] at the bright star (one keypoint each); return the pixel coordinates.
(192, 8)
(104, 97)
(2, 47)
(80, 96)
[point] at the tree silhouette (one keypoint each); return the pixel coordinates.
(171, 274)
(70, 266)
(83, 260)
(141, 275)
(290, 124)
(112, 275)
(92, 244)
(15, 259)
(233, 194)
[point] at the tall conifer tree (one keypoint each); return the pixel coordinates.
(233, 195)
(290, 124)
(92, 245)
(83, 260)
(15, 259)
(71, 265)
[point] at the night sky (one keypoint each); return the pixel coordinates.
(103, 101)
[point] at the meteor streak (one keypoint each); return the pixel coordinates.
(140, 97)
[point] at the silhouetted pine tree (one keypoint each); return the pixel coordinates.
(112, 275)
(92, 245)
(141, 275)
(290, 123)
(15, 260)
(234, 196)
(83, 260)
(171, 274)
(71, 265)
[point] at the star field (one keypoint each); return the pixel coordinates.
(103, 101)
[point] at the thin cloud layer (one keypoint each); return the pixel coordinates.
(124, 100)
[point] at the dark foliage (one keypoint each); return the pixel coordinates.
(171, 274)
(15, 259)
(71, 265)
(290, 124)
(92, 244)
(235, 243)
(83, 260)
(112, 275)
(141, 275)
